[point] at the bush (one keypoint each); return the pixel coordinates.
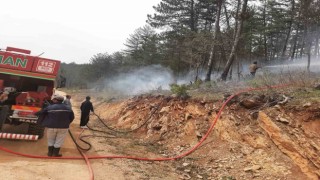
(179, 90)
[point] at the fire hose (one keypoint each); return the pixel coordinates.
(150, 159)
(108, 127)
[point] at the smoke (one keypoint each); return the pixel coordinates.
(156, 77)
(141, 80)
(295, 65)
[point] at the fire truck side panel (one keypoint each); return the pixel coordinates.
(16, 61)
(45, 66)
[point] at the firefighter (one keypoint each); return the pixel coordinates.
(67, 101)
(57, 117)
(85, 108)
(253, 68)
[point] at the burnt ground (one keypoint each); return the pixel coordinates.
(270, 134)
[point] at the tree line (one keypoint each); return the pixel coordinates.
(210, 36)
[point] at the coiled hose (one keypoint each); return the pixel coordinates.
(152, 159)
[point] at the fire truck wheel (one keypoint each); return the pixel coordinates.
(3, 115)
(36, 129)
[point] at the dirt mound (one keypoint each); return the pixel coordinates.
(277, 143)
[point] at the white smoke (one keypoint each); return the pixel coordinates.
(141, 80)
(295, 65)
(156, 77)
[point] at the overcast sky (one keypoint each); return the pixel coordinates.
(71, 30)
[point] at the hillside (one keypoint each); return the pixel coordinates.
(265, 134)
(214, 133)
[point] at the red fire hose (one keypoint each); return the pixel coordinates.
(148, 159)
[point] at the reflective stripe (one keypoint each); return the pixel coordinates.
(17, 107)
(18, 136)
(59, 111)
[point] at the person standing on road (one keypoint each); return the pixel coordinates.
(57, 117)
(85, 108)
(67, 101)
(253, 68)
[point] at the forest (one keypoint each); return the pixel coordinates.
(214, 39)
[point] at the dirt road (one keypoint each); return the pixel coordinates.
(23, 168)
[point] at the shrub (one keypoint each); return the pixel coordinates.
(179, 90)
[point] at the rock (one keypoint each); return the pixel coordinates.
(209, 169)
(187, 116)
(215, 167)
(247, 169)
(278, 107)
(284, 101)
(165, 109)
(246, 150)
(135, 126)
(199, 135)
(256, 167)
(185, 164)
(200, 177)
(185, 176)
(250, 103)
(308, 104)
(256, 175)
(252, 168)
(254, 115)
(283, 120)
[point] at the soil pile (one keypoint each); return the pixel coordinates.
(262, 136)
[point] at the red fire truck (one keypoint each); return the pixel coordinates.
(26, 83)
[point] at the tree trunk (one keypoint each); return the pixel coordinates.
(316, 48)
(223, 53)
(302, 45)
(192, 17)
(283, 55)
(227, 16)
(228, 25)
(289, 30)
(305, 5)
(309, 58)
(308, 48)
(230, 73)
(197, 73)
(236, 20)
(236, 41)
(264, 33)
(215, 38)
(295, 39)
(238, 69)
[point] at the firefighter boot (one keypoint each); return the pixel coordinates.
(50, 150)
(56, 152)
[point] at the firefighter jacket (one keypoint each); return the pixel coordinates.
(86, 107)
(253, 68)
(56, 116)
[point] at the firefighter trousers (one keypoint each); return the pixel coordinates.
(56, 136)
